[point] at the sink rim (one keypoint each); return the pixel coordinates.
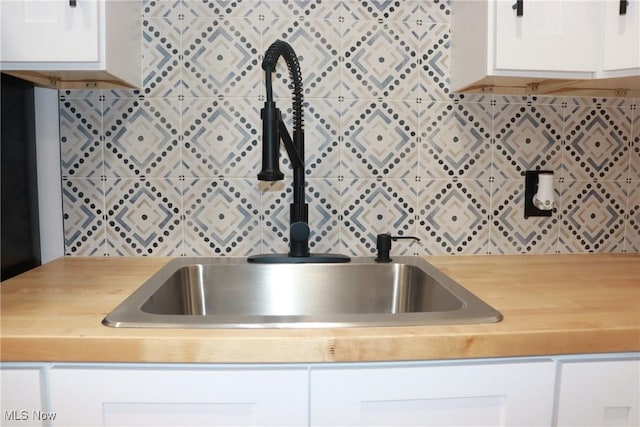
(129, 313)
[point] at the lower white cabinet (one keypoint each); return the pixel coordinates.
(21, 397)
(586, 390)
(481, 394)
(174, 396)
(599, 393)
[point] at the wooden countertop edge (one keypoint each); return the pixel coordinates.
(319, 349)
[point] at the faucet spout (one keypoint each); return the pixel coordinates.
(274, 132)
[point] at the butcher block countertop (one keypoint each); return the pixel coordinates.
(552, 304)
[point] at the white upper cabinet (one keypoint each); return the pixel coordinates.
(621, 53)
(548, 37)
(546, 46)
(72, 43)
(49, 31)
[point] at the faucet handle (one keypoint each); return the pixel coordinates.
(383, 245)
(299, 239)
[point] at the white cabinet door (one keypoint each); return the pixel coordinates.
(551, 35)
(185, 397)
(49, 30)
(622, 39)
(434, 394)
(599, 393)
(94, 44)
(21, 398)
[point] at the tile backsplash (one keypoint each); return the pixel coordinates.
(171, 169)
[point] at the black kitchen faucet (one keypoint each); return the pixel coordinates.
(274, 131)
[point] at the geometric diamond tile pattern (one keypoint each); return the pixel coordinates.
(381, 140)
(511, 232)
(456, 140)
(527, 137)
(593, 217)
(454, 216)
(597, 144)
(220, 137)
(221, 216)
(143, 217)
(371, 207)
(169, 169)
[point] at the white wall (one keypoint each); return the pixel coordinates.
(49, 188)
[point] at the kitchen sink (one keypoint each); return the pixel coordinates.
(232, 293)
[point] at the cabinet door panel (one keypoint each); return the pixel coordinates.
(49, 30)
(21, 397)
(434, 395)
(622, 38)
(551, 35)
(185, 397)
(599, 393)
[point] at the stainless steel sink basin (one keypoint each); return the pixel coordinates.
(231, 293)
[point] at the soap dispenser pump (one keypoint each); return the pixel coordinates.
(383, 246)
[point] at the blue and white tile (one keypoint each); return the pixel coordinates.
(81, 147)
(317, 44)
(530, 100)
(196, 122)
(510, 231)
(593, 216)
(634, 152)
(221, 137)
(380, 139)
(162, 8)
(374, 206)
(434, 62)
(67, 94)
(380, 59)
(84, 217)
(274, 201)
(144, 217)
(161, 59)
(456, 140)
(306, 9)
(435, 11)
(632, 230)
(454, 216)
(221, 8)
(222, 217)
(407, 10)
(222, 57)
(321, 118)
(596, 143)
(322, 126)
(599, 102)
(528, 137)
(323, 198)
(142, 138)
